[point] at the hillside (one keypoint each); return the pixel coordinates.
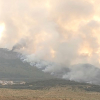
(12, 68)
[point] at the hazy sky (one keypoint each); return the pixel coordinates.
(63, 31)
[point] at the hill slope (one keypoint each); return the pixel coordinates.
(12, 68)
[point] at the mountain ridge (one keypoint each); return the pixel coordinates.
(11, 67)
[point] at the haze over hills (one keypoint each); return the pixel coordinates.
(81, 72)
(12, 68)
(65, 32)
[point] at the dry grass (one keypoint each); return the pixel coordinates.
(56, 93)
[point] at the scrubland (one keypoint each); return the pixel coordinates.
(53, 93)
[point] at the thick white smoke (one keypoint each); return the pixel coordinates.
(78, 72)
(58, 36)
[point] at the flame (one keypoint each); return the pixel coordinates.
(52, 52)
(85, 51)
(48, 5)
(98, 51)
(2, 27)
(97, 18)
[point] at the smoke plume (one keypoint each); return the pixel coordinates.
(59, 36)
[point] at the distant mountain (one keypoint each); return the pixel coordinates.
(12, 68)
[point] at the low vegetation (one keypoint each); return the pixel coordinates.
(55, 89)
(54, 93)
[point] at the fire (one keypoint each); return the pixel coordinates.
(97, 18)
(2, 27)
(85, 51)
(48, 5)
(98, 51)
(52, 53)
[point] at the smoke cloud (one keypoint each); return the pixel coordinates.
(60, 37)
